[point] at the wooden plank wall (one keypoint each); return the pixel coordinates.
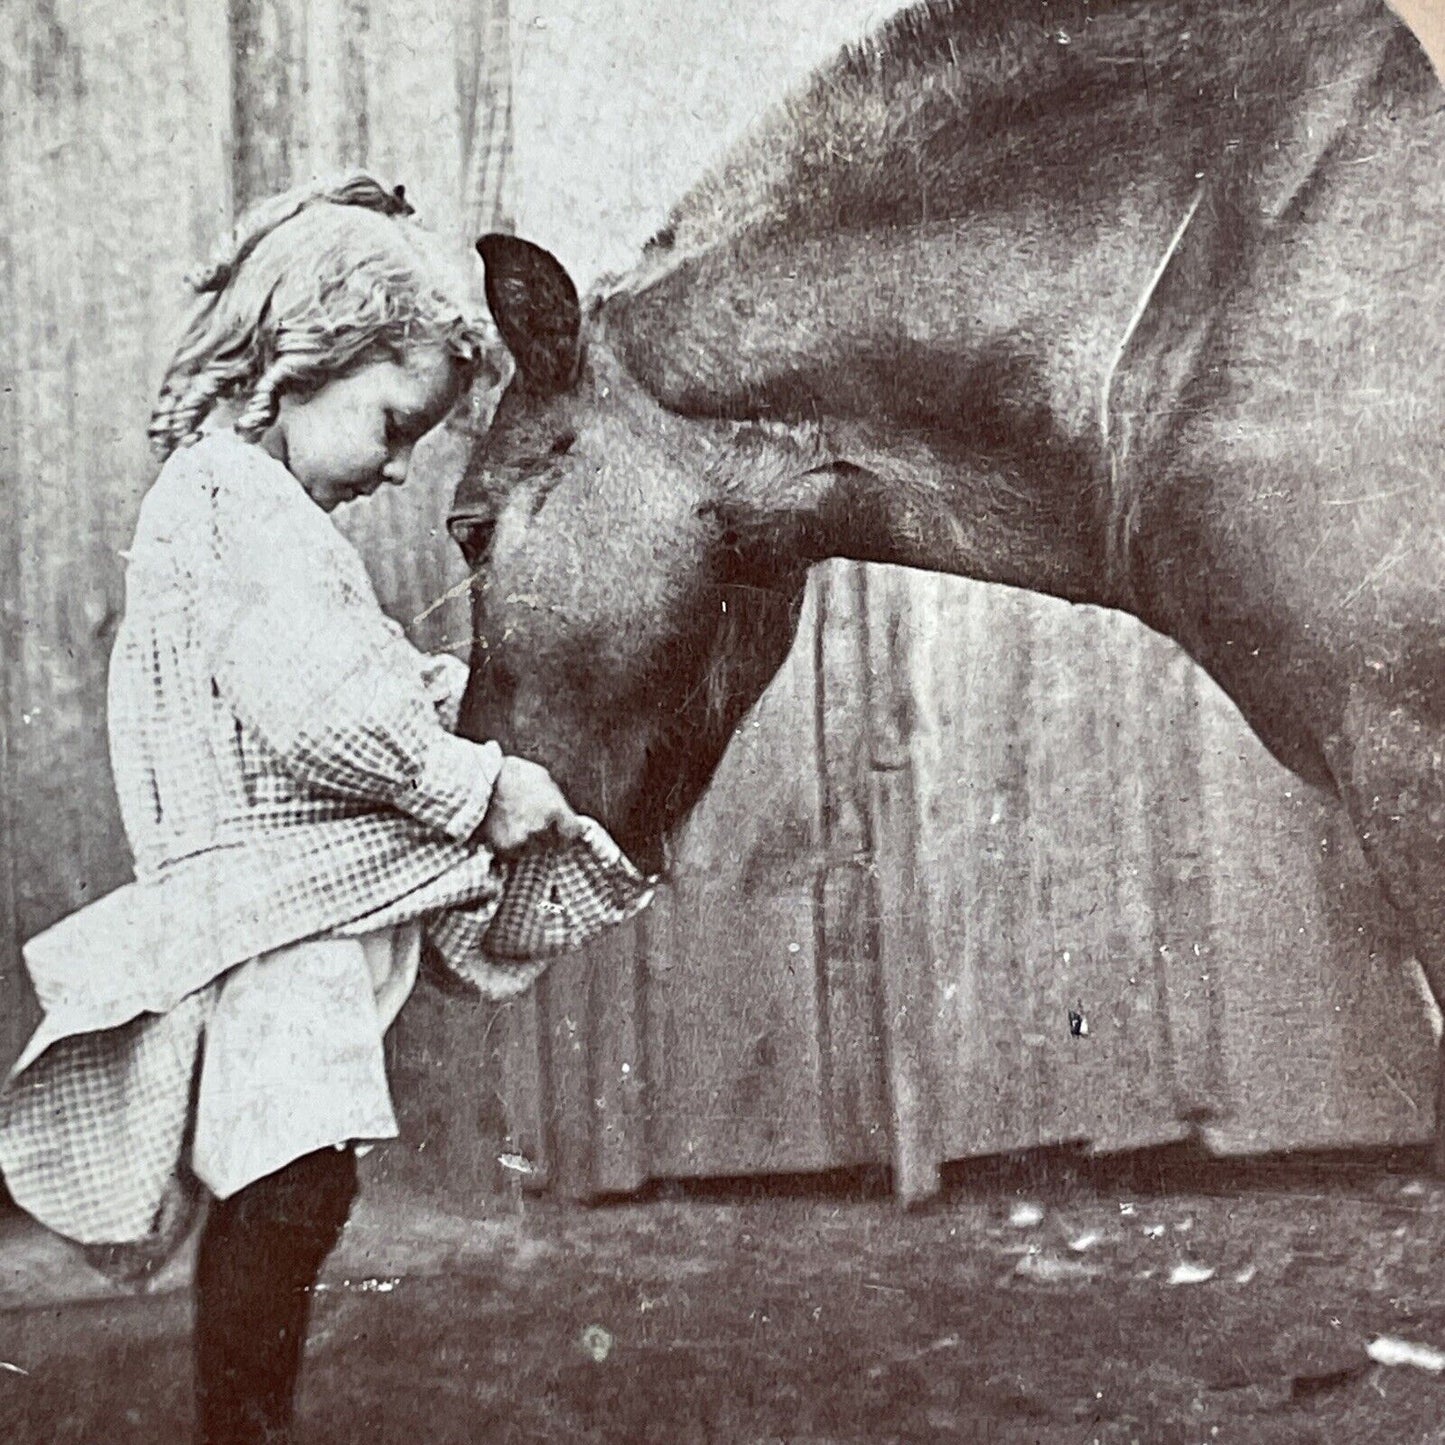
(1126, 851)
(112, 175)
(938, 838)
(15, 1012)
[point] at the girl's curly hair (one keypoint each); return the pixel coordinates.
(309, 285)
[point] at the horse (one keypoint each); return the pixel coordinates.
(1130, 302)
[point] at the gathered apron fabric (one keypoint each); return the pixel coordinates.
(107, 1127)
(105, 1136)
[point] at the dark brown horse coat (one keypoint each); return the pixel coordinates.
(1132, 303)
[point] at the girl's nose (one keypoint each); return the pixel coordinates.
(398, 464)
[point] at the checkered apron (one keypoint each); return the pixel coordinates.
(285, 773)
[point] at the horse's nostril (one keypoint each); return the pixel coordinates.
(474, 536)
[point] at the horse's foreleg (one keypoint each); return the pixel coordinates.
(1390, 767)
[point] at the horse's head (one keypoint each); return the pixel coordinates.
(621, 625)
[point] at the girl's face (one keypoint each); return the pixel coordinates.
(358, 430)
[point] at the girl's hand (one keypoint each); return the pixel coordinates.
(527, 809)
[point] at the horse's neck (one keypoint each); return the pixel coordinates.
(987, 381)
(954, 372)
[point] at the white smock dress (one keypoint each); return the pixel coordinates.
(299, 811)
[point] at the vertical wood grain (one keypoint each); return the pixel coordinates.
(974, 661)
(846, 900)
(1102, 1063)
(111, 167)
(908, 958)
(621, 1141)
(485, 97)
(734, 1038)
(1183, 940)
(16, 1006)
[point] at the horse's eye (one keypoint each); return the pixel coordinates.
(564, 444)
(474, 536)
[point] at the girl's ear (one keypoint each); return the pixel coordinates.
(535, 306)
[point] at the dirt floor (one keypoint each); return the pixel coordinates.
(1158, 1299)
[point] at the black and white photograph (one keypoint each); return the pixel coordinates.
(722, 724)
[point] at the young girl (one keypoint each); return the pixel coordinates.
(294, 799)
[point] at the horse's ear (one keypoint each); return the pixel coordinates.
(534, 304)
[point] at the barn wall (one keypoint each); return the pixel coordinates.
(14, 1012)
(960, 812)
(114, 170)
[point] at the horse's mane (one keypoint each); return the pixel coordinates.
(990, 41)
(955, 108)
(891, 113)
(823, 155)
